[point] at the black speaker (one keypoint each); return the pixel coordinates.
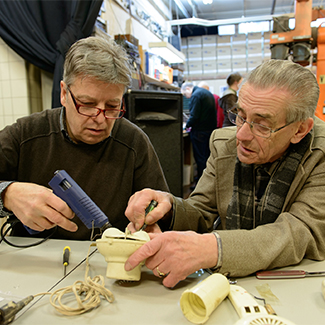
(159, 115)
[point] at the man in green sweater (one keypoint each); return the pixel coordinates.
(108, 156)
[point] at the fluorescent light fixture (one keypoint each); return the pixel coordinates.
(166, 51)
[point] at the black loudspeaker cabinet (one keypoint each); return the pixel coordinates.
(160, 115)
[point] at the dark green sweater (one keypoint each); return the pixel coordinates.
(34, 147)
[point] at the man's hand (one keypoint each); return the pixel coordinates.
(37, 207)
(176, 255)
(138, 202)
(151, 228)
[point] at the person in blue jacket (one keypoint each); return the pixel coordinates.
(202, 122)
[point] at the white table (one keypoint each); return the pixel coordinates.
(25, 272)
(300, 300)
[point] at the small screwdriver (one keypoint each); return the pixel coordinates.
(66, 255)
(149, 208)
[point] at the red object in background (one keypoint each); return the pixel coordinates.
(157, 74)
(219, 111)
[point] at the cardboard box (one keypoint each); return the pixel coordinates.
(239, 38)
(194, 53)
(194, 41)
(225, 39)
(239, 65)
(254, 48)
(209, 65)
(239, 51)
(209, 40)
(167, 75)
(224, 65)
(254, 36)
(254, 62)
(223, 51)
(195, 66)
(209, 52)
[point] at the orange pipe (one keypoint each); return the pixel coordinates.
(320, 73)
(302, 31)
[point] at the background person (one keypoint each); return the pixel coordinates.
(202, 122)
(108, 156)
(229, 97)
(265, 179)
(219, 110)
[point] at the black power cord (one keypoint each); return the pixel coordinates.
(11, 224)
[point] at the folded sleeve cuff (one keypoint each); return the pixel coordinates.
(219, 263)
(3, 211)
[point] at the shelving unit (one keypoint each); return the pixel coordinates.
(154, 84)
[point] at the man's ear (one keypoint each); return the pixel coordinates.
(63, 94)
(303, 129)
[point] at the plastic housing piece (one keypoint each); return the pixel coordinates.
(116, 246)
(199, 302)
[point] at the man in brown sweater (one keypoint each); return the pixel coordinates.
(108, 156)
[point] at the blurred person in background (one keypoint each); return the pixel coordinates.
(229, 97)
(219, 110)
(202, 122)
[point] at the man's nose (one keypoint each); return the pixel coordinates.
(101, 116)
(244, 132)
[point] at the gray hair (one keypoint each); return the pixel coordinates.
(187, 84)
(203, 84)
(99, 58)
(299, 82)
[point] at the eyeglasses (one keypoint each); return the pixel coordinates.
(94, 111)
(256, 128)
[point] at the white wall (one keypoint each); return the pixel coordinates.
(14, 100)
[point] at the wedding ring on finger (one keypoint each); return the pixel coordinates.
(160, 273)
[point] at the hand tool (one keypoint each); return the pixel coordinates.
(149, 208)
(80, 203)
(66, 256)
(287, 274)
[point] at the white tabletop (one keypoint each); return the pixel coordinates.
(25, 272)
(299, 300)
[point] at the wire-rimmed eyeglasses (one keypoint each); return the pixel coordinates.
(258, 129)
(95, 111)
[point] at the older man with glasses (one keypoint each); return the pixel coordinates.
(107, 155)
(260, 201)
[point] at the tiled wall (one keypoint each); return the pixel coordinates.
(14, 100)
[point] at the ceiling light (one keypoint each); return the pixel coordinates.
(166, 51)
(207, 2)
